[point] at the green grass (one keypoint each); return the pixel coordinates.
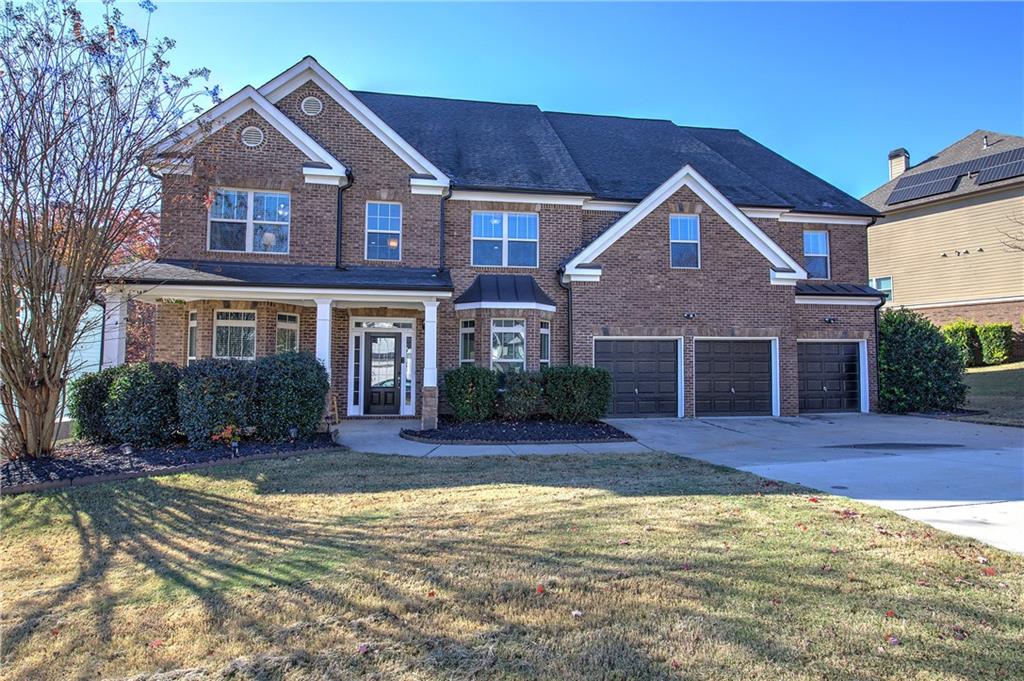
(998, 390)
(651, 567)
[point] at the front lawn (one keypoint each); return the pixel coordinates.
(998, 390)
(578, 567)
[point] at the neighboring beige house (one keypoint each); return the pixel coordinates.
(951, 244)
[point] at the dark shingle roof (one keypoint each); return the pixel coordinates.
(966, 149)
(822, 288)
(498, 289)
(186, 272)
(486, 145)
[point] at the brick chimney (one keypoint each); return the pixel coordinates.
(899, 161)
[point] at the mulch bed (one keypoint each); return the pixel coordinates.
(532, 432)
(81, 460)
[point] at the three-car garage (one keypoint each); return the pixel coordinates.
(731, 376)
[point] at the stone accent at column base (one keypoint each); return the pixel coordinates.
(428, 408)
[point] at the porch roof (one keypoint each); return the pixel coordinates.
(206, 273)
(505, 291)
(810, 288)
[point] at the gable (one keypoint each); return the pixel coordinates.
(322, 168)
(783, 269)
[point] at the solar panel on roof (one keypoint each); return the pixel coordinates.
(919, 191)
(1001, 172)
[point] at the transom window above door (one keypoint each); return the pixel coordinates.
(245, 221)
(383, 231)
(504, 239)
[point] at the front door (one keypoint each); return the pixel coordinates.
(383, 373)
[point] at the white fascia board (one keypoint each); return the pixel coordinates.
(609, 206)
(518, 197)
(154, 292)
(175, 167)
(504, 306)
(429, 187)
(249, 99)
(770, 213)
(585, 274)
(820, 219)
(837, 300)
(716, 201)
(309, 69)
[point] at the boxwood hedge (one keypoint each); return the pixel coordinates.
(141, 406)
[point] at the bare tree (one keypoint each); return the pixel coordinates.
(1014, 238)
(81, 108)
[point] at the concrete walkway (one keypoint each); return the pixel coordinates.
(964, 478)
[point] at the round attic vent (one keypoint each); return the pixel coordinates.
(311, 106)
(252, 136)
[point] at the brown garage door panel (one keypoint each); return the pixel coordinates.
(829, 377)
(732, 378)
(644, 376)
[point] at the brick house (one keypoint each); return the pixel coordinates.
(951, 243)
(397, 237)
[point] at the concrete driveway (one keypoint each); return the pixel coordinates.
(964, 478)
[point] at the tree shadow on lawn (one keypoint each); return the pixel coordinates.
(450, 590)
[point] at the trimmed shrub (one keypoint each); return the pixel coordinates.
(576, 393)
(963, 335)
(142, 407)
(996, 342)
(917, 369)
(471, 392)
(521, 398)
(214, 394)
(292, 389)
(87, 404)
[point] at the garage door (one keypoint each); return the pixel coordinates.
(644, 376)
(732, 378)
(829, 377)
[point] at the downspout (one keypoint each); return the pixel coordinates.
(340, 221)
(877, 375)
(440, 250)
(568, 311)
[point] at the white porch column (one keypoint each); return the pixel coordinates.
(430, 344)
(115, 336)
(323, 333)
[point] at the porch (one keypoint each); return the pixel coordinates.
(373, 329)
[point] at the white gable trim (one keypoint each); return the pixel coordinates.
(825, 219)
(310, 70)
(688, 177)
(249, 99)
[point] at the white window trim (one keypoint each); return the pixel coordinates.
(287, 325)
(234, 322)
(683, 241)
(545, 330)
(827, 255)
(193, 323)
(249, 223)
(872, 281)
(504, 238)
(356, 339)
(466, 331)
(520, 327)
(367, 231)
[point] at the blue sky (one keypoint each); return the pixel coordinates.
(831, 86)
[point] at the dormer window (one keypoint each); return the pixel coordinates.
(243, 221)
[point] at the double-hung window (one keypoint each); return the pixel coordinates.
(508, 345)
(193, 330)
(545, 344)
(505, 239)
(684, 241)
(383, 231)
(234, 334)
(467, 341)
(287, 332)
(816, 254)
(883, 284)
(249, 221)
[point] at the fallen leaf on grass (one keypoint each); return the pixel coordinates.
(623, 542)
(847, 513)
(577, 614)
(686, 566)
(363, 648)
(813, 500)
(156, 643)
(960, 634)
(890, 613)
(675, 664)
(55, 631)
(989, 571)
(802, 527)
(431, 594)
(893, 640)
(540, 588)
(983, 560)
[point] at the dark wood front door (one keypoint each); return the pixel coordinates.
(383, 373)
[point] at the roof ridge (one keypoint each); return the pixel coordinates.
(446, 99)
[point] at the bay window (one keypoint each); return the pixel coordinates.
(545, 344)
(467, 342)
(287, 333)
(246, 221)
(234, 334)
(504, 239)
(508, 345)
